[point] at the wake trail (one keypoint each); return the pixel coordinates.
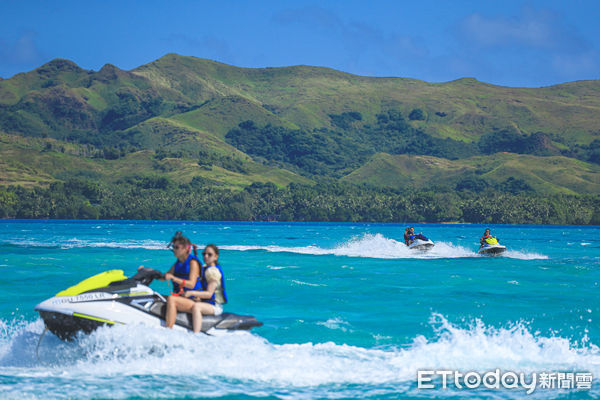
(367, 246)
(378, 246)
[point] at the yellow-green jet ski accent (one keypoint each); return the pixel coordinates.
(94, 282)
(491, 240)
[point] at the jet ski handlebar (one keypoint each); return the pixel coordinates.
(145, 276)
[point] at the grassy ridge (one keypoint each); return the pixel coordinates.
(174, 118)
(304, 96)
(32, 162)
(544, 174)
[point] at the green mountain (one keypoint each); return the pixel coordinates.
(182, 120)
(543, 174)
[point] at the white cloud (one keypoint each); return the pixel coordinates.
(313, 16)
(362, 43)
(576, 66)
(536, 29)
(538, 46)
(22, 51)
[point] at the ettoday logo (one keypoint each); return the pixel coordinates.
(427, 379)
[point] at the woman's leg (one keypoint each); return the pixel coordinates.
(171, 312)
(174, 304)
(198, 309)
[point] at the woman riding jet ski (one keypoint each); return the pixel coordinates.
(110, 298)
(489, 245)
(416, 241)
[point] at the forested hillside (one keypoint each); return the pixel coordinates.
(183, 132)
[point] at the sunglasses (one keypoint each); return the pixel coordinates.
(177, 247)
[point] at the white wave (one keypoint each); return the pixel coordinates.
(130, 357)
(307, 283)
(80, 243)
(369, 246)
(336, 323)
(381, 337)
(275, 267)
(524, 256)
(482, 347)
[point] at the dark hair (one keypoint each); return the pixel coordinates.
(180, 239)
(214, 248)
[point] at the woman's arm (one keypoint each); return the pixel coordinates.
(203, 294)
(169, 273)
(194, 273)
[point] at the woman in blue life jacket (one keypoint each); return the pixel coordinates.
(185, 276)
(210, 299)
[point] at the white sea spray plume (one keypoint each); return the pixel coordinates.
(368, 246)
(138, 351)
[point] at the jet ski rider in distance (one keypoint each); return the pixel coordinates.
(487, 238)
(410, 236)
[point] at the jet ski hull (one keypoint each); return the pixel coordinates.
(66, 327)
(492, 250)
(422, 245)
(67, 323)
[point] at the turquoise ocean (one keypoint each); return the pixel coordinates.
(348, 311)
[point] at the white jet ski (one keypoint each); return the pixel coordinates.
(491, 249)
(110, 298)
(422, 243)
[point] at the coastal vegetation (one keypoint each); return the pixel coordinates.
(158, 198)
(186, 138)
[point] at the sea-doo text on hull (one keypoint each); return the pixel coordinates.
(110, 298)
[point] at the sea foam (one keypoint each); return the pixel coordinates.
(142, 361)
(379, 246)
(367, 245)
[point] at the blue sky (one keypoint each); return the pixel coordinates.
(510, 43)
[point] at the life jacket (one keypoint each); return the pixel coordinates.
(204, 282)
(182, 271)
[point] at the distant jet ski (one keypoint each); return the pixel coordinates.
(491, 247)
(422, 243)
(110, 298)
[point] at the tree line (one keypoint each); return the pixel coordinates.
(327, 201)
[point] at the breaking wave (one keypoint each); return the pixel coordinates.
(135, 360)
